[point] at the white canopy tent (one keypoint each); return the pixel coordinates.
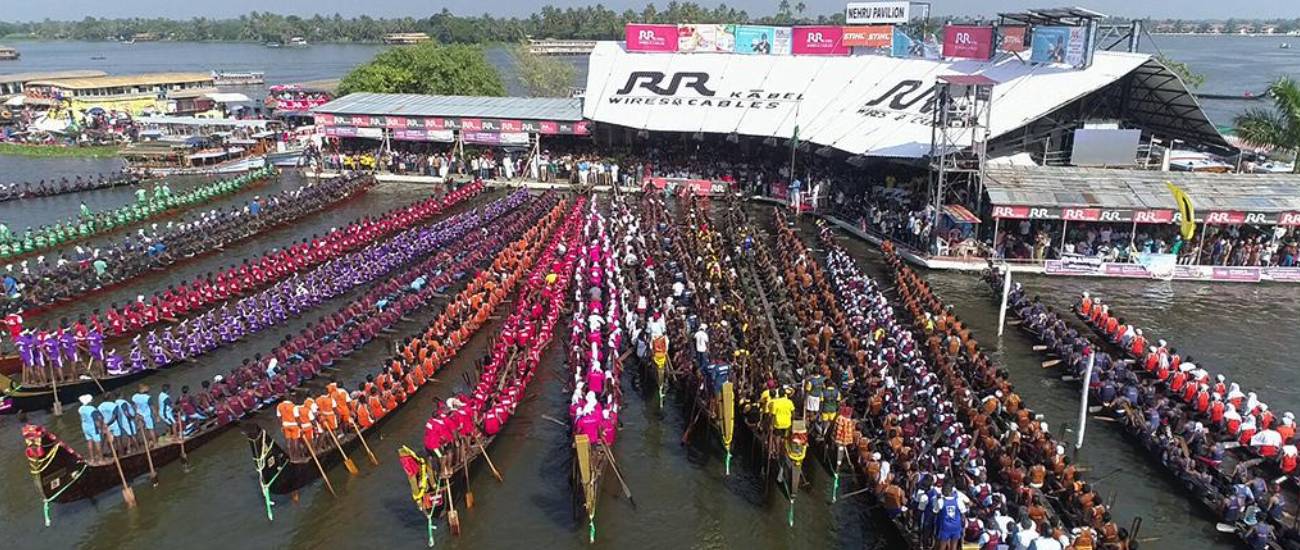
(867, 105)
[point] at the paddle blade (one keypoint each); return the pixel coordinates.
(352, 466)
(58, 406)
(453, 519)
(469, 500)
(1051, 363)
(128, 495)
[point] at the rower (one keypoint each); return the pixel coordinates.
(289, 425)
(90, 419)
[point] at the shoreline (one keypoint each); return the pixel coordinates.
(59, 151)
(1295, 37)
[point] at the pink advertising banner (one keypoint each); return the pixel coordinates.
(651, 38)
(820, 40)
(968, 42)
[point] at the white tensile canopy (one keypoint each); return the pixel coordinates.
(870, 105)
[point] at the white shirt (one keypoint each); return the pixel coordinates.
(657, 327)
(1046, 543)
(701, 341)
(1025, 538)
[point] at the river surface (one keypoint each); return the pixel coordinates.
(1231, 64)
(1247, 332)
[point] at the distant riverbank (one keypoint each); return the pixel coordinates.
(59, 151)
(1223, 34)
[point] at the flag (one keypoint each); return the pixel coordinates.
(794, 138)
(1187, 225)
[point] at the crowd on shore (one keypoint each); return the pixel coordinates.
(1226, 245)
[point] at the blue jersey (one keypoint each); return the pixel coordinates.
(950, 519)
(142, 408)
(108, 410)
(88, 427)
(165, 412)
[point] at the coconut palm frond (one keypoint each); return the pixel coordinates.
(1263, 128)
(1286, 98)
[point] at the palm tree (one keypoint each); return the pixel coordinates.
(1277, 128)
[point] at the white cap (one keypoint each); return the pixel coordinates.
(85, 399)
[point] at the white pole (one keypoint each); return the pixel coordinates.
(1083, 401)
(1006, 292)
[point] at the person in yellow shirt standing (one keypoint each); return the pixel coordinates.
(782, 408)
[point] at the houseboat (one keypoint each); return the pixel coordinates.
(9, 54)
(231, 78)
(188, 145)
(131, 94)
(406, 38)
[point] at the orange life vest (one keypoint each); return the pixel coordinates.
(305, 419)
(288, 420)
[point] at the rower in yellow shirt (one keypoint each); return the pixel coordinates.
(782, 408)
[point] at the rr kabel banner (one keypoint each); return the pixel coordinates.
(651, 38)
(967, 42)
(820, 40)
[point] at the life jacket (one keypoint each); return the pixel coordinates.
(288, 419)
(1287, 431)
(1216, 411)
(1086, 307)
(1139, 345)
(1202, 401)
(303, 412)
(325, 404)
(1288, 463)
(1177, 382)
(1266, 420)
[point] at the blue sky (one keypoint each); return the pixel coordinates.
(76, 9)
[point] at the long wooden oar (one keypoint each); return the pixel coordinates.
(483, 450)
(453, 519)
(854, 493)
(58, 403)
(323, 475)
(464, 463)
(98, 384)
(626, 492)
(347, 460)
(362, 438)
(153, 474)
(128, 494)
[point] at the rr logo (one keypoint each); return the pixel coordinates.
(650, 80)
(646, 36)
(815, 38)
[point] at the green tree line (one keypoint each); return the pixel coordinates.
(589, 22)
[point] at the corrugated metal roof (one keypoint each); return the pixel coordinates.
(523, 108)
(150, 79)
(1050, 186)
(49, 75)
